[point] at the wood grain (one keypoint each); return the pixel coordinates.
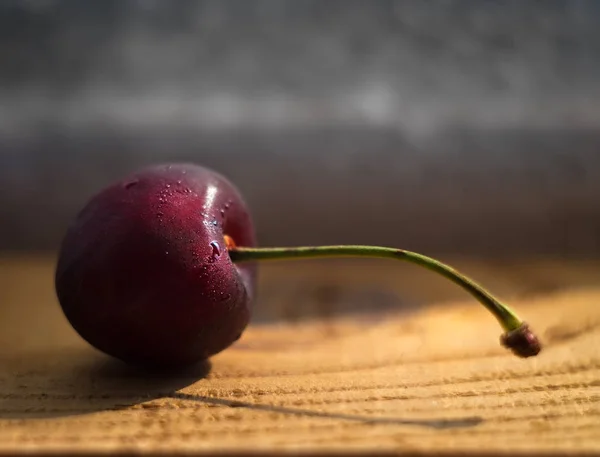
(342, 356)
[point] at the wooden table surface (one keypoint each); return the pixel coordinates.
(352, 355)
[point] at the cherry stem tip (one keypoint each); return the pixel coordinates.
(522, 341)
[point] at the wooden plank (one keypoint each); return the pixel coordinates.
(341, 356)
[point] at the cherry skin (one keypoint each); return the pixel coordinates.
(144, 274)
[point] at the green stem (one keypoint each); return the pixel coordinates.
(518, 337)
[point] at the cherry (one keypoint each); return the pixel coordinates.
(143, 272)
(159, 269)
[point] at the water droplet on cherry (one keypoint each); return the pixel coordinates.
(216, 251)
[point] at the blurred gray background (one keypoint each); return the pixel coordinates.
(460, 127)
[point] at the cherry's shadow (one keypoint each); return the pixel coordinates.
(84, 382)
(434, 423)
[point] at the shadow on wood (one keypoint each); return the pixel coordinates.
(429, 423)
(59, 384)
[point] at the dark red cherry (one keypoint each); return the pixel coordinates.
(144, 274)
(146, 271)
